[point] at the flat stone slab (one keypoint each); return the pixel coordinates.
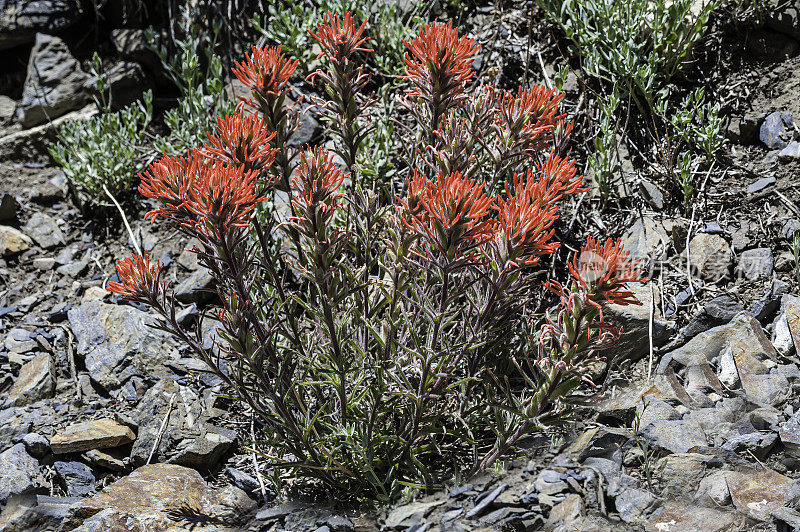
(757, 493)
(162, 497)
(680, 516)
(88, 435)
(35, 381)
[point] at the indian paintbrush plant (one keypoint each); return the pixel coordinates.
(389, 341)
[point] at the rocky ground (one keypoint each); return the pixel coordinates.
(105, 424)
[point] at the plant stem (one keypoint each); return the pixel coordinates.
(124, 219)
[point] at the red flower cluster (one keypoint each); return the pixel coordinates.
(197, 193)
(602, 270)
(529, 115)
(316, 186)
(439, 66)
(340, 37)
(451, 212)
(560, 178)
(525, 219)
(439, 54)
(534, 106)
(139, 279)
(243, 140)
(266, 72)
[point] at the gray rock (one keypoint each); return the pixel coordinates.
(788, 517)
(336, 523)
(676, 436)
(786, 329)
(635, 323)
(117, 343)
(35, 512)
(740, 238)
(652, 194)
(718, 311)
(712, 228)
(765, 418)
(36, 444)
(756, 263)
(35, 382)
(44, 230)
(21, 20)
(205, 450)
(106, 461)
(566, 514)
(132, 44)
(187, 438)
(791, 151)
(13, 241)
(7, 109)
(76, 478)
(760, 184)
(307, 130)
(20, 340)
(633, 503)
(790, 371)
(789, 432)
(718, 422)
(188, 258)
(608, 468)
(654, 409)
(776, 130)
(126, 83)
(758, 443)
(19, 472)
(646, 240)
(50, 192)
(197, 288)
(157, 497)
(789, 228)
(73, 269)
(26, 304)
(32, 143)
(242, 480)
(280, 510)
(404, 516)
(15, 422)
(714, 489)
(600, 442)
(54, 84)
(728, 374)
(680, 474)
(752, 354)
(710, 255)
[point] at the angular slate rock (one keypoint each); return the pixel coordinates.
(19, 472)
(117, 343)
(94, 434)
(76, 478)
(34, 382)
(21, 20)
(158, 497)
(55, 83)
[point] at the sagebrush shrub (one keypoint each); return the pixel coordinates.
(388, 341)
(100, 156)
